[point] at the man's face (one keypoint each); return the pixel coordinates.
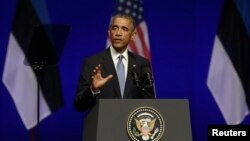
(120, 33)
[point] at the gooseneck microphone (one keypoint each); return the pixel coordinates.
(148, 78)
(135, 76)
(143, 81)
(146, 81)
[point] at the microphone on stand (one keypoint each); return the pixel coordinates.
(148, 77)
(136, 77)
(144, 84)
(147, 83)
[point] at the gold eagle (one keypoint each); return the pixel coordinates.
(151, 125)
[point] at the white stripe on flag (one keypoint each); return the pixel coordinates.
(226, 86)
(144, 28)
(21, 83)
(138, 45)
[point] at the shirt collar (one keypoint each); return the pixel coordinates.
(116, 54)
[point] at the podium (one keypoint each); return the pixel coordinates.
(121, 120)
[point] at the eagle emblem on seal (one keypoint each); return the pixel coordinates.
(145, 124)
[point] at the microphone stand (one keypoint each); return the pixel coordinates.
(146, 84)
(38, 68)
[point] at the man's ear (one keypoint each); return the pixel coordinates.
(133, 35)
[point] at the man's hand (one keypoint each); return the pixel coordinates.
(97, 80)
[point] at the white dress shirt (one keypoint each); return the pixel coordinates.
(115, 56)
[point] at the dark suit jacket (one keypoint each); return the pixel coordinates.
(84, 97)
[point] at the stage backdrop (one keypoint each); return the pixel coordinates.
(181, 36)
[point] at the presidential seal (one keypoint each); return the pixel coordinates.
(145, 124)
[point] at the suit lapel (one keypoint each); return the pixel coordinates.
(109, 68)
(129, 80)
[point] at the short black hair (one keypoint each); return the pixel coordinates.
(126, 16)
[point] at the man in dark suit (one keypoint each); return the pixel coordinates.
(115, 72)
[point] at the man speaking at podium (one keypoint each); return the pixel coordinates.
(115, 73)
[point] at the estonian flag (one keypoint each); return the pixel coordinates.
(19, 78)
(229, 71)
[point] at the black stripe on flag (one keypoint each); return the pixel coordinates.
(24, 26)
(235, 39)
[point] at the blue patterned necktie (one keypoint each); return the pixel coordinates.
(120, 70)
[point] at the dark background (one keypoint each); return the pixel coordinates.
(181, 34)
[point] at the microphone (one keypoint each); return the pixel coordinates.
(145, 83)
(148, 77)
(135, 76)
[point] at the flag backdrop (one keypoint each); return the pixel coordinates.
(229, 70)
(134, 8)
(19, 78)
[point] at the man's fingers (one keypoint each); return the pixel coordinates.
(98, 69)
(109, 77)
